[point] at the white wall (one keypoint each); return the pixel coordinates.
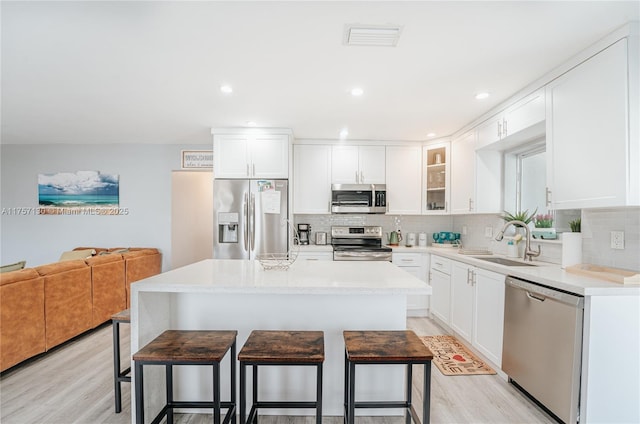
(145, 190)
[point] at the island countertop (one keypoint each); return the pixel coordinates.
(303, 277)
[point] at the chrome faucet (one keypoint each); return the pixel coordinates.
(528, 253)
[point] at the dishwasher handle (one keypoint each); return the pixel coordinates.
(532, 297)
(541, 293)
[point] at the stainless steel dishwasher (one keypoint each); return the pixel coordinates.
(543, 345)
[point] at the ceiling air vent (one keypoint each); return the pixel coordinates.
(372, 35)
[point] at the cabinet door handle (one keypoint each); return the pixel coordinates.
(499, 129)
(504, 127)
(254, 169)
(248, 175)
(357, 180)
(470, 204)
(406, 260)
(547, 196)
(361, 177)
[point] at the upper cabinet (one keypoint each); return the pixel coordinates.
(521, 121)
(404, 175)
(311, 178)
(436, 178)
(463, 174)
(251, 155)
(358, 165)
(476, 177)
(592, 132)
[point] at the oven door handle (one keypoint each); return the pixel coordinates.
(363, 256)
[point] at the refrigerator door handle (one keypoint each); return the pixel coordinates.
(253, 221)
(245, 211)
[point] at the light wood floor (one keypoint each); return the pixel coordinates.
(74, 384)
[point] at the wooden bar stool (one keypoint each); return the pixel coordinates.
(280, 348)
(119, 376)
(385, 347)
(175, 347)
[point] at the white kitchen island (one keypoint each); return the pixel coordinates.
(240, 295)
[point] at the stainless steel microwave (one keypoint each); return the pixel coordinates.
(358, 198)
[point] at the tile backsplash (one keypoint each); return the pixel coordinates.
(596, 232)
(406, 223)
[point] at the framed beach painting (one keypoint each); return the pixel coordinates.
(81, 192)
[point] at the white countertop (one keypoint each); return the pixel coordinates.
(303, 277)
(548, 274)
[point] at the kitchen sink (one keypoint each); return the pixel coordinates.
(507, 262)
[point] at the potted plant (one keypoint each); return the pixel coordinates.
(525, 216)
(575, 225)
(572, 244)
(544, 227)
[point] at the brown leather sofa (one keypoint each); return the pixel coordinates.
(45, 306)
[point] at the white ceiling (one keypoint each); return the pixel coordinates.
(150, 72)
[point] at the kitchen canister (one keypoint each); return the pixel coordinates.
(422, 239)
(571, 249)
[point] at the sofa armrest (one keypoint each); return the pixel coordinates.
(22, 325)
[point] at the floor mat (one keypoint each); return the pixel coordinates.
(452, 358)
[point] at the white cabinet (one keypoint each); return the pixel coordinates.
(476, 177)
(592, 132)
(314, 256)
(404, 177)
(477, 308)
(463, 175)
(462, 280)
(440, 280)
(489, 314)
(251, 155)
(436, 182)
(358, 165)
(417, 265)
(517, 123)
(311, 178)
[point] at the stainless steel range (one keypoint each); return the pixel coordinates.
(359, 244)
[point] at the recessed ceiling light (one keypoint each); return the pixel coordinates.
(344, 133)
(357, 91)
(250, 124)
(431, 135)
(226, 89)
(481, 96)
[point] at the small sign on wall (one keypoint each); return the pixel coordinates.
(197, 159)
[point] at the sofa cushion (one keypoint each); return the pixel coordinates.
(58, 267)
(13, 267)
(20, 275)
(102, 259)
(77, 254)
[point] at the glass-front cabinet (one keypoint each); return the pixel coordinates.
(436, 177)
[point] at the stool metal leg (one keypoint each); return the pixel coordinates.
(426, 394)
(116, 366)
(346, 387)
(408, 394)
(243, 392)
(216, 393)
(139, 394)
(319, 395)
(169, 384)
(352, 392)
(232, 359)
(255, 392)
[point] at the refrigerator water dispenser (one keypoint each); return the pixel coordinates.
(227, 227)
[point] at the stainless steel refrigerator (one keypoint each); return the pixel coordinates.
(249, 218)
